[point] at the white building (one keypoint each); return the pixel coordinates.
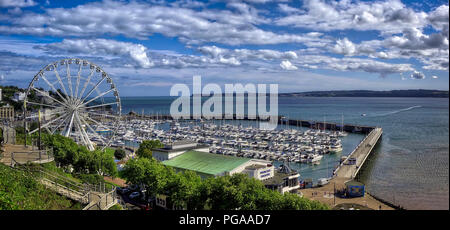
(259, 170)
(19, 96)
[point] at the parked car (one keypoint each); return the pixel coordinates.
(134, 195)
(123, 191)
(323, 181)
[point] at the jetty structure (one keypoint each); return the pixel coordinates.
(282, 120)
(344, 175)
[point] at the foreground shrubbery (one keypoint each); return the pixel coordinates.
(67, 153)
(221, 193)
(20, 190)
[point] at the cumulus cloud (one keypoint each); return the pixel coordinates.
(403, 34)
(344, 47)
(386, 16)
(142, 20)
(439, 17)
(263, 54)
(414, 39)
(17, 3)
(353, 64)
(136, 52)
(417, 75)
(287, 65)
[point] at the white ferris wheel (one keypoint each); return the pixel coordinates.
(83, 105)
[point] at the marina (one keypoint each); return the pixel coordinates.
(293, 142)
(291, 145)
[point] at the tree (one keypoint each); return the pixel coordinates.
(119, 153)
(186, 188)
(68, 153)
(183, 190)
(149, 173)
(146, 147)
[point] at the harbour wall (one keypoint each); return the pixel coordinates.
(282, 120)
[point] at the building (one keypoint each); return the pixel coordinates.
(213, 165)
(177, 148)
(260, 171)
(0, 94)
(19, 96)
(7, 113)
(284, 180)
(355, 189)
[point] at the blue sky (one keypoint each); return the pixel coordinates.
(147, 46)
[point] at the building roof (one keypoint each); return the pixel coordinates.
(207, 163)
(353, 183)
(169, 150)
(279, 176)
(255, 166)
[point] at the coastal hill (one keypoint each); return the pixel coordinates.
(370, 93)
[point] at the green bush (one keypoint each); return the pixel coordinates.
(68, 153)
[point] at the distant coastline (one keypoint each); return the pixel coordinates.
(370, 93)
(366, 93)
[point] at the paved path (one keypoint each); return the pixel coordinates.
(23, 154)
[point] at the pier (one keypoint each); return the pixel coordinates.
(346, 172)
(282, 120)
(361, 152)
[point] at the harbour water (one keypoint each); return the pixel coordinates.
(410, 165)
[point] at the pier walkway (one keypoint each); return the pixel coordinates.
(346, 172)
(361, 152)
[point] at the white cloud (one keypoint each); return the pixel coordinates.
(287, 65)
(142, 20)
(417, 75)
(344, 47)
(387, 16)
(434, 77)
(439, 17)
(136, 52)
(288, 9)
(17, 3)
(353, 64)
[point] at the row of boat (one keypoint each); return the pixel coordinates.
(292, 145)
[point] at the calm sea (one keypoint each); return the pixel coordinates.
(409, 167)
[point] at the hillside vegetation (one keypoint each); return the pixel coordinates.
(19, 190)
